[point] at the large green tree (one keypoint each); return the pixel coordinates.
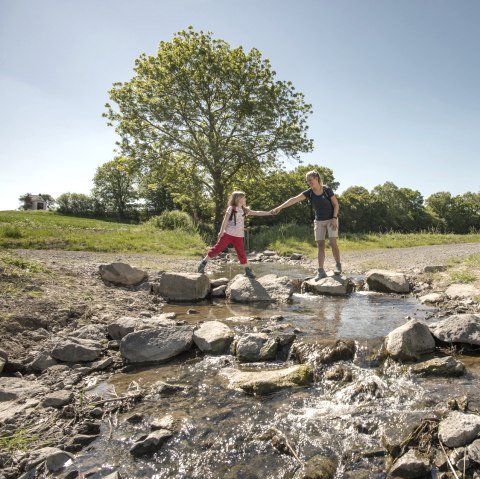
(217, 110)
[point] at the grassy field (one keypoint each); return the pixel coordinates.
(50, 230)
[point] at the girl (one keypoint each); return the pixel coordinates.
(232, 231)
(324, 202)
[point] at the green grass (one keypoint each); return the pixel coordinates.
(289, 238)
(50, 230)
(463, 277)
(20, 440)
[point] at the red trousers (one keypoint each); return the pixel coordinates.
(226, 240)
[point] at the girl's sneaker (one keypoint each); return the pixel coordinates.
(320, 274)
(249, 273)
(338, 268)
(201, 267)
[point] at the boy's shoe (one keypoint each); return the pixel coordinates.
(249, 273)
(201, 267)
(320, 274)
(338, 268)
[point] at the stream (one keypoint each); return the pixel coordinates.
(223, 433)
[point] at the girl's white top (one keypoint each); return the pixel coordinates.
(235, 226)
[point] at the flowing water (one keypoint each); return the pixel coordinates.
(223, 433)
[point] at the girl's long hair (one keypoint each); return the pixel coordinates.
(234, 197)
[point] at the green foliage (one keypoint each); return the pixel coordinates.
(78, 204)
(10, 232)
(463, 277)
(21, 440)
(208, 113)
(173, 220)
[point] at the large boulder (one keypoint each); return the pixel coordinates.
(386, 281)
(332, 285)
(267, 288)
(459, 328)
(256, 347)
(122, 274)
(156, 345)
(125, 325)
(462, 291)
(409, 341)
(182, 286)
(458, 429)
(264, 382)
(74, 350)
(439, 367)
(213, 337)
(318, 352)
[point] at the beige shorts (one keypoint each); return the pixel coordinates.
(320, 229)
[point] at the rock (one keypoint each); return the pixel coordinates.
(90, 331)
(459, 328)
(386, 281)
(440, 367)
(269, 253)
(169, 389)
(319, 467)
(58, 460)
(410, 341)
(473, 451)
(458, 429)
(267, 288)
(12, 389)
(462, 291)
(256, 347)
(42, 362)
(76, 350)
(261, 382)
(135, 418)
(127, 324)
(113, 475)
(182, 286)
(213, 337)
(215, 283)
(431, 298)
(219, 291)
(150, 444)
(122, 274)
(337, 285)
(296, 256)
(156, 345)
(2, 364)
(102, 364)
(317, 352)
(57, 398)
(434, 269)
(241, 319)
(410, 465)
(339, 373)
(166, 422)
(40, 455)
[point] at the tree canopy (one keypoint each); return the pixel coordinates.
(217, 112)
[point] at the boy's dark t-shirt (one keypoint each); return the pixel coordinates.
(322, 204)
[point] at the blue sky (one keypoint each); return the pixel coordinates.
(394, 84)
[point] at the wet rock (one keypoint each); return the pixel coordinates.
(410, 465)
(125, 325)
(150, 444)
(462, 291)
(458, 429)
(213, 337)
(431, 298)
(256, 347)
(57, 398)
(122, 274)
(440, 367)
(267, 288)
(76, 350)
(364, 390)
(168, 389)
(96, 412)
(241, 319)
(459, 328)
(319, 467)
(410, 341)
(89, 428)
(262, 382)
(166, 422)
(219, 282)
(387, 281)
(319, 352)
(338, 373)
(473, 451)
(182, 286)
(156, 345)
(58, 460)
(337, 285)
(219, 291)
(113, 475)
(42, 361)
(135, 418)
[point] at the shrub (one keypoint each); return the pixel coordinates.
(11, 232)
(173, 220)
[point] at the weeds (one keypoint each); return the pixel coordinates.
(465, 277)
(20, 440)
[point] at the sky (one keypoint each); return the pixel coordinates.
(394, 84)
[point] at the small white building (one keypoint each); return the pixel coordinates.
(38, 203)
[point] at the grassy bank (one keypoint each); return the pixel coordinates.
(49, 230)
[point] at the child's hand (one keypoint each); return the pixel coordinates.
(274, 211)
